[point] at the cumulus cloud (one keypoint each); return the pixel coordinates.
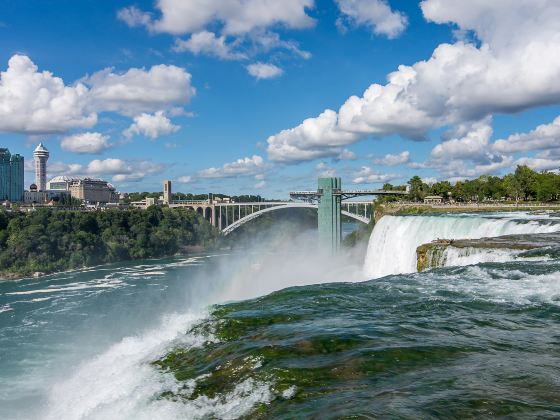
(227, 29)
(139, 90)
(237, 16)
(545, 136)
(314, 138)
(152, 126)
(264, 71)
(39, 102)
(33, 101)
(85, 143)
(375, 14)
(242, 167)
(206, 42)
(513, 66)
(367, 175)
(471, 142)
(122, 170)
(394, 160)
(540, 163)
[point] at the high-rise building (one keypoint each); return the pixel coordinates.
(167, 198)
(41, 155)
(11, 176)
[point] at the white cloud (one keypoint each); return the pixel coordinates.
(152, 126)
(237, 16)
(312, 139)
(61, 168)
(185, 179)
(264, 70)
(134, 17)
(39, 102)
(123, 171)
(137, 90)
(108, 166)
(376, 14)
(545, 136)
(514, 67)
(260, 185)
(85, 143)
(471, 142)
(540, 164)
(206, 42)
(247, 166)
(346, 154)
(368, 176)
(394, 160)
(271, 40)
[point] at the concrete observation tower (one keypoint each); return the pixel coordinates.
(41, 155)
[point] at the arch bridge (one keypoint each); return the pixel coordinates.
(328, 199)
(229, 216)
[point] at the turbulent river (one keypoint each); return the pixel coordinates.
(288, 333)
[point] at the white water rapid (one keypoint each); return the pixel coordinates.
(393, 242)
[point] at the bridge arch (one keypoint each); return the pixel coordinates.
(238, 223)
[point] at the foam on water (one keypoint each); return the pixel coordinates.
(497, 285)
(456, 257)
(393, 242)
(5, 308)
(121, 383)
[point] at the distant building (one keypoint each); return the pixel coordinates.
(34, 196)
(433, 199)
(41, 155)
(167, 196)
(11, 176)
(89, 190)
(145, 203)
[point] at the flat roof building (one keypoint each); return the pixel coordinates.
(89, 190)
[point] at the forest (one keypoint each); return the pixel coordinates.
(524, 184)
(49, 240)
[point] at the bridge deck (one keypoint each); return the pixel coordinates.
(350, 192)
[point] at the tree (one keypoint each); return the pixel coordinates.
(525, 180)
(417, 188)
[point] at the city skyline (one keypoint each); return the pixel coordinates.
(242, 99)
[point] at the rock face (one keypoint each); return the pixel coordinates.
(431, 255)
(434, 254)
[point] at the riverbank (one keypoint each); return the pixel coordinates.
(403, 209)
(47, 241)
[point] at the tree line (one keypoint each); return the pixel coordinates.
(524, 184)
(49, 240)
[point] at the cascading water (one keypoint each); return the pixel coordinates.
(143, 340)
(393, 242)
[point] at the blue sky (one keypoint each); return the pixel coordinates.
(212, 94)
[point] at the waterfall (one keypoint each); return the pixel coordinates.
(393, 242)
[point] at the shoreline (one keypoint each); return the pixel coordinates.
(193, 251)
(403, 209)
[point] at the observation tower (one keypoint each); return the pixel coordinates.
(41, 155)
